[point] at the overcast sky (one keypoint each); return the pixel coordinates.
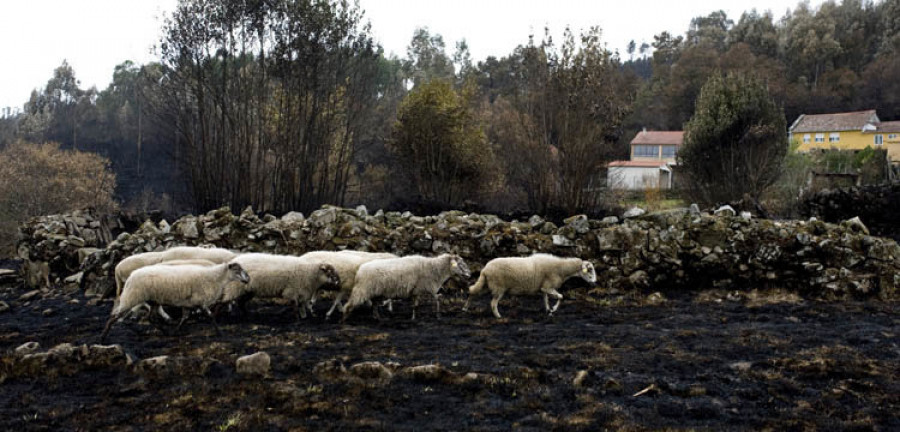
(96, 35)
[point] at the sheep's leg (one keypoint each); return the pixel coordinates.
(466, 306)
(162, 313)
(184, 314)
(348, 307)
(437, 305)
(415, 303)
(494, 302)
(390, 305)
(558, 297)
(213, 318)
(337, 302)
(299, 310)
(309, 306)
(109, 324)
(546, 303)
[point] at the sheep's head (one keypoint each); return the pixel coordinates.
(587, 272)
(328, 275)
(236, 272)
(459, 267)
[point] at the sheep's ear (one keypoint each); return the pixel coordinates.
(454, 263)
(324, 267)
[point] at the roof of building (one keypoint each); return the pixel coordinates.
(891, 126)
(834, 122)
(638, 164)
(659, 138)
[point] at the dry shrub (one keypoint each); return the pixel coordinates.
(652, 197)
(41, 179)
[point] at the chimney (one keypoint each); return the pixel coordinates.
(645, 129)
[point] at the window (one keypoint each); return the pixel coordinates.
(879, 140)
(834, 137)
(806, 139)
(646, 151)
(669, 151)
(892, 136)
(820, 137)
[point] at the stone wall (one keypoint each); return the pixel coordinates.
(674, 250)
(878, 206)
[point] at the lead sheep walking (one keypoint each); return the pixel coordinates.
(185, 286)
(537, 274)
(281, 276)
(346, 263)
(134, 262)
(410, 276)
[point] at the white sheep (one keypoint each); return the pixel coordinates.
(537, 274)
(410, 276)
(346, 263)
(288, 277)
(134, 262)
(186, 286)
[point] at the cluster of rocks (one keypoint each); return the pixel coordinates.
(876, 205)
(57, 245)
(676, 249)
(29, 361)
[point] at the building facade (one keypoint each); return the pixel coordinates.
(846, 131)
(651, 163)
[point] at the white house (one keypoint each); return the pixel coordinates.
(652, 159)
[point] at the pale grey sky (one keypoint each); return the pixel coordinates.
(96, 35)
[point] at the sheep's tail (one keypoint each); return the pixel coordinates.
(479, 285)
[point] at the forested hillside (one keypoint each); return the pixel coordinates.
(287, 105)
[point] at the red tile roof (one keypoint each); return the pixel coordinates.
(638, 164)
(834, 122)
(659, 138)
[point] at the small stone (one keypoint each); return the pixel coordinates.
(292, 217)
(562, 241)
(29, 295)
(27, 348)
(254, 364)
(741, 366)
(371, 370)
(610, 220)
(579, 378)
(855, 225)
(633, 212)
(725, 210)
(4, 306)
(745, 215)
(694, 210)
(48, 312)
(426, 373)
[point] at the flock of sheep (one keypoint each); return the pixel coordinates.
(201, 278)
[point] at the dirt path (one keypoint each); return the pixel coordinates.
(692, 365)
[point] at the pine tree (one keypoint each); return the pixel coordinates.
(735, 143)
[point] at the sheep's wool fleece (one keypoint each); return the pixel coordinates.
(401, 277)
(346, 263)
(182, 286)
(283, 276)
(524, 275)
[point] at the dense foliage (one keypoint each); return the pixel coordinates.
(736, 134)
(41, 179)
(288, 104)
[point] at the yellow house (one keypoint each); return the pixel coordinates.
(890, 137)
(845, 131)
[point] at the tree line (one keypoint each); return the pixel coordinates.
(291, 104)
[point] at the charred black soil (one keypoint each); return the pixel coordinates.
(679, 364)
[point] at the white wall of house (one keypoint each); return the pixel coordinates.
(636, 178)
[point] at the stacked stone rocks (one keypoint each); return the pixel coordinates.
(680, 249)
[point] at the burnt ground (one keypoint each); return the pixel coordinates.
(678, 364)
